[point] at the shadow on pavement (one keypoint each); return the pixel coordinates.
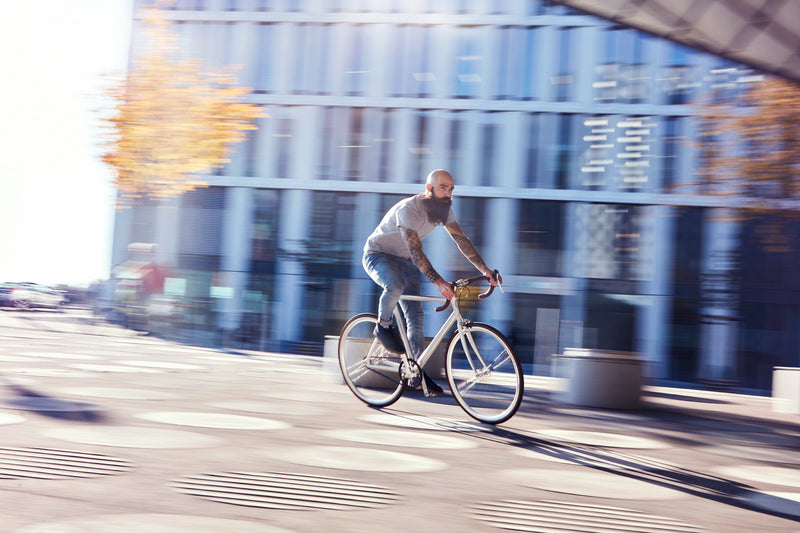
(29, 400)
(695, 483)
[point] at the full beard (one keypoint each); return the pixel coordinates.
(438, 209)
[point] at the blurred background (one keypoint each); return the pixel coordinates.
(581, 158)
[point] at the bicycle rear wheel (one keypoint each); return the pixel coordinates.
(484, 374)
(371, 372)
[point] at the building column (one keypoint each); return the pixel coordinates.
(471, 150)
(290, 273)
(500, 253)
(403, 135)
(365, 221)
(573, 303)
(235, 254)
(719, 314)
(652, 319)
(306, 145)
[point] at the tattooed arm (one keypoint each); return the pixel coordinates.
(414, 244)
(468, 249)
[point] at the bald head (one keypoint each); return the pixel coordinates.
(435, 177)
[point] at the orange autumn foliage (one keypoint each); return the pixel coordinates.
(171, 122)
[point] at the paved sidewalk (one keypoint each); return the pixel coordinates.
(104, 430)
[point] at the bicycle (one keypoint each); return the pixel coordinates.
(483, 372)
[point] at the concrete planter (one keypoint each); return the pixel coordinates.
(599, 378)
(786, 389)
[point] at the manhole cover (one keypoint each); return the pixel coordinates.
(45, 463)
(285, 491)
(573, 517)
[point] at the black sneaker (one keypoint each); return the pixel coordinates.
(390, 338)
(433, 388)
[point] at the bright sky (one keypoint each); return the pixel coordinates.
(56, 197)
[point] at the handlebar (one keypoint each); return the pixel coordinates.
(469, 281)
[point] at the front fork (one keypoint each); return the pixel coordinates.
(471, 352)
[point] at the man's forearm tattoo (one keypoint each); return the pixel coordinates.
(419, 257)
(468, 249)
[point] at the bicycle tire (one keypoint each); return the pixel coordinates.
(370, 371)
(492, 391)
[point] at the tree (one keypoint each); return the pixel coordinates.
(750, 152)
(171, 121)
(750, 148)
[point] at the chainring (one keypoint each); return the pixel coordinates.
(411, 374)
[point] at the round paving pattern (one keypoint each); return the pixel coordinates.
(587, 482)
(410, 439)
(423, 422)
(152, 523)
(163, 364)
(286, 491)
(361, 459)
(213, 420)
(759, 453)
(775, 475)
(605, 458)
(7, 418)
(594, 438)
(13, 359)
(307, 396)
(119, 393)
(567, 517)
(46, 463)
(49, 372)
(113, 368)
(55, 355)
(133, 437)
(270, 408)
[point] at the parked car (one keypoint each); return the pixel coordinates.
(28, 295)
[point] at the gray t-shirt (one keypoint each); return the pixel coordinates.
(409, 213)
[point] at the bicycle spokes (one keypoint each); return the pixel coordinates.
(371, 372)
(484, 374)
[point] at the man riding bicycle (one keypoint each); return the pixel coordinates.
(393, 258)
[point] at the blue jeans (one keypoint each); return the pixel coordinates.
(398, 276)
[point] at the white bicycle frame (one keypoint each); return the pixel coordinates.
(454, 318)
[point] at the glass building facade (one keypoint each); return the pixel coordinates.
(569, 139)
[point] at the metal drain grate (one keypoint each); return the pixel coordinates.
(286, 491)
(566, 517)
(44, 463)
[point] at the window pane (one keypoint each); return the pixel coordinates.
(468, 63)
(264, 80)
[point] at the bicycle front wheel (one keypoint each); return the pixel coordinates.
(371, 371)
(484, 374)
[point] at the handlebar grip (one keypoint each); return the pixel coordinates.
(491, 287)
(446, 304)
